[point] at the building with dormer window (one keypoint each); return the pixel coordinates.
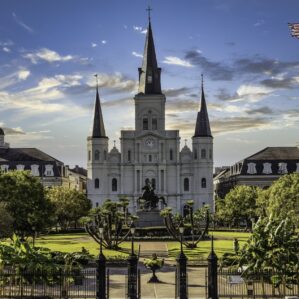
(150, 152)
(260, 169)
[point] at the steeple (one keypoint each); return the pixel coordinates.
(202, 128)
(98, 130)
(149, 73)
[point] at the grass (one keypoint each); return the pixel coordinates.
(75, 241)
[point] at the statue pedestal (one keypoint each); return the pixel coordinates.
(149, 218)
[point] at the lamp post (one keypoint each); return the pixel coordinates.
(212, 273)
(101, 270)
(132, 268)
(181, 282)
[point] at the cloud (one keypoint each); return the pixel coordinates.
(137, 54)
(23, 74)
(216, 70)
(263, 66)
(94, 45)
(279, 83)
(262, 110)
(13, 131)
(13, 78)
(21, 23)
(177, 61)
(259, 23)
(119, 102)
(104, 42)
(249, 92)
(48, 56)
(174, 92)
(140, 29)
(117, 82)
(5, 49)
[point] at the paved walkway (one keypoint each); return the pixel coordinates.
(165, 289)
(148, 248)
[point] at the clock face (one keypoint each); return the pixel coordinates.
(149, 142)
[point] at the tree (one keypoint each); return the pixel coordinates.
(239, 205)
(273, 246)
(115, 220)
(196, 222)
(69, 205)
(283, 198)
(6, 222)
(24, 197)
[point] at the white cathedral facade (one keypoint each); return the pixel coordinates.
(150, 152)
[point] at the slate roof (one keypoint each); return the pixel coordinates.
(98, 122)
(25, 154)
(202, 128)
(276, 153)
(79, 170)
(149, 67)
(28, 157)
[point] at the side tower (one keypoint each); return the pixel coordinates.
(202, 147)
(97, 151)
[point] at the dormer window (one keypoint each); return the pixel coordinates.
(145, 124)
(251, 168)
(34, 170)
(20, 167)
(282, 168)
(4, 168)
(149, 79)
(49, 170)
(154, 124)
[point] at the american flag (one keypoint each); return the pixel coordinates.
(294, 27)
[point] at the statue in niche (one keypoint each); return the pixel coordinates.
(149, 200)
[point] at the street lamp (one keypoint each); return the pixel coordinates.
(101, 269)
(133, 269)
(181, 230)
(132, 230)
(101, 231)
(181, 283)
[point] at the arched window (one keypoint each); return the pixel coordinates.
(186, 184)
(153, 183)
(195, 154)
(203, 153)
(171, 155)
(129, 156)
(97, 183)
(154, 124)
(203, 183)
(89, 155)
(114, 184)
(145, 124)
(149, 158)
(105, 155)
(211, 154)
(97, 155)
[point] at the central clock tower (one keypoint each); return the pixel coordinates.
(150, 153)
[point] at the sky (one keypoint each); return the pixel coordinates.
(51, 49)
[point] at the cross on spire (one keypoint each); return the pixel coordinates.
(97, 83)
(202, 80)
(149, 9)
(114, 141)
(185, 142)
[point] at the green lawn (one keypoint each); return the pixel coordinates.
(74, 242)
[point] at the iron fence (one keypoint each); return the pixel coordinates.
(78, 283)
(265, 284)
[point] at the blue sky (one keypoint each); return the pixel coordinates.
(50, 50)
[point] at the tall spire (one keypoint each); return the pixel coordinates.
(149, 73)
(98, 122)
(202, 128)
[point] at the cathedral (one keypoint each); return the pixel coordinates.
(150, 153)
